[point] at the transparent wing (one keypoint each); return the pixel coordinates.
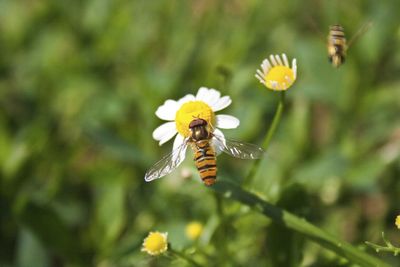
(167, 164)
(363, 29)
(311, 24)
(237, 149)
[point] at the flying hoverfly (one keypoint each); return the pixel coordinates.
(205, 145)
(337, 45)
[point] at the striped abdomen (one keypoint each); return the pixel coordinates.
(336, 45)
(205, 161)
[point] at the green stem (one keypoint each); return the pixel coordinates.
(222, 232)
(275, 121)
(181, 255)
(379, 248)
(389, 246)
(267, 139)
(300, 225)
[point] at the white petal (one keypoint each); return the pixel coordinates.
(294, 67)
(218, 141)
(168, 110)
(222, 103)
(179, 140)
(261, 79)
(185, 99)
(273, 61)
(266, 65)
(227, 121)
(278, 59)
(201, 93)
(164, 132)
(285, 60)
(209, 96)
(260, 73)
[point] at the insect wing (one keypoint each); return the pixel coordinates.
(167, 164)
(238, 149)
(312, 25)
(242, 150)
(363, 29)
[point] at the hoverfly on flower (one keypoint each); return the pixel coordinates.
(193, 118)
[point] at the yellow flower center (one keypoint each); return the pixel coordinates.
(193, 230)
(155, 243)
(398, 221)
(190, 111)
(279, 78)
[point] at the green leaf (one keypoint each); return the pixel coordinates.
(298, 224)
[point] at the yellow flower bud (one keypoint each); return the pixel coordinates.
(194, 230)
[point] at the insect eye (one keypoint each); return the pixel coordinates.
(330, 59)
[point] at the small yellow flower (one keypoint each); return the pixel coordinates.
(398, 221)
(278, 75)
(155, 243)
(194, 230)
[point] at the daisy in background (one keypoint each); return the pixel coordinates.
(276, 73)
(198, 112)
(155, 243)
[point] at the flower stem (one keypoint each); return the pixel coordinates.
(388, 248)
(378, 248)
(181, 255)
(275, 121)
(267, 139)
(300, 225)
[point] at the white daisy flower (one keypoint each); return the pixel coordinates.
(180, 113)
(278, 75)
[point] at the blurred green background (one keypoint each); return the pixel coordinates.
(80, 82)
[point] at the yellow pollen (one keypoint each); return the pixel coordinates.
(190, 111)
(155, 243)
(398, 221)
(279, 78)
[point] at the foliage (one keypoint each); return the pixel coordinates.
(80, 82)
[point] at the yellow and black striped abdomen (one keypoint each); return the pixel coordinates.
(205, 161)
(336, 34)
(337, 45)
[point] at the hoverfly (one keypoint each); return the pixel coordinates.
(337, 45)
(205, 144)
